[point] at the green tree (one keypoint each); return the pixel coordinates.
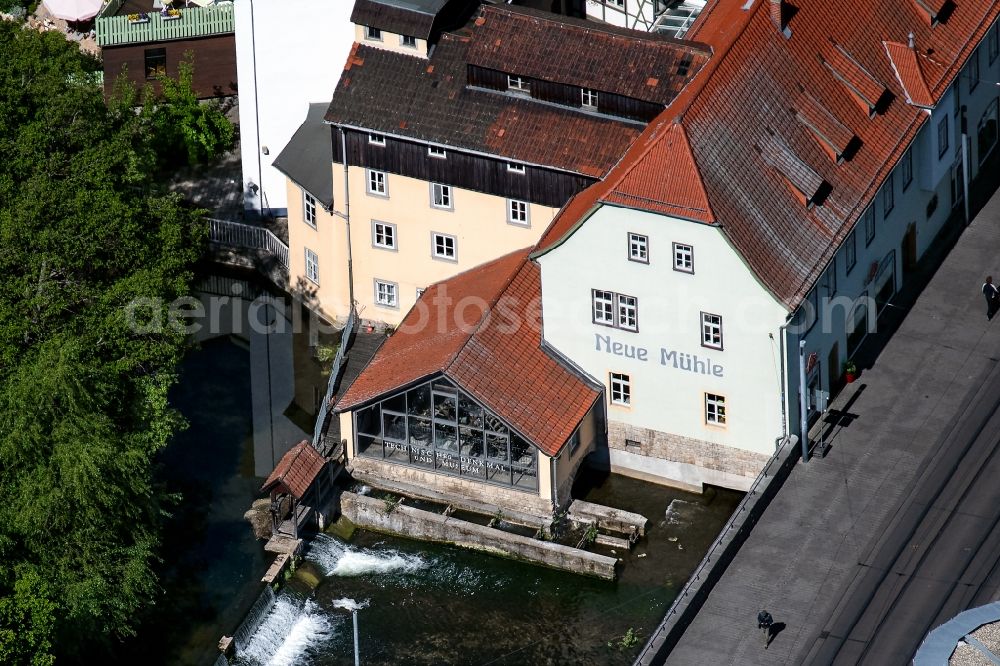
(84, 230)
(189, 129)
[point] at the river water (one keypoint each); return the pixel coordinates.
(419, 603)
(433, 604)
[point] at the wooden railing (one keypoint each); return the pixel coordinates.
(194, 22)
(236, 234)
(338, 361)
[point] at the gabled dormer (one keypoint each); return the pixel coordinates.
(407, 26)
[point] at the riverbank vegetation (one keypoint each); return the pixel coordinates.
(84, 230)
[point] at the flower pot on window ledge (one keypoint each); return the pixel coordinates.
(173, 17)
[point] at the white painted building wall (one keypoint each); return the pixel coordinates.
(288, 53)
(670, 303)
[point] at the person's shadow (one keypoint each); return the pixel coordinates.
(773, 632)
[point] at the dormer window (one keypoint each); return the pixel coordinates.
(588, 98)
(373, 34)
(518, 84)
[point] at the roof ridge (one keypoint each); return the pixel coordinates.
(589, 25)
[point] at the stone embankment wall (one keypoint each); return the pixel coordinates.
(402, 520)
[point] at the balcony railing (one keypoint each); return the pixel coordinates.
(194, 21)
(236, 234)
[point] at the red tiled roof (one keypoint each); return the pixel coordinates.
(860, 83)
(666, 180)
(578, 52)
(743, 94)
(493, 353)
(931, 10)
(832, 135)
(906, 64)
(430, 102)
(296, 470)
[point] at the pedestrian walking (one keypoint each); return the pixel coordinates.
(764, 622)
(992, 295)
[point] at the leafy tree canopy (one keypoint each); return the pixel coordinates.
(84, 230)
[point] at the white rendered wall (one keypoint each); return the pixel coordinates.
(288, 53)
(667, 398)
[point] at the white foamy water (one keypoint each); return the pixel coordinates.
(287, 634)
(350, 604)
(675, 511)
(338, 559)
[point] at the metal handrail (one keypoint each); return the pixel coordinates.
(338, 361)
(236, 234)
(710, 556)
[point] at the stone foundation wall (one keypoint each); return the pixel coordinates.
(453, 486)
(679, 460)
(372, 513)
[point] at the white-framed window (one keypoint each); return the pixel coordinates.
(974, 70)
(373, 34)
(906, 166)
(711, 330)
(517, 212)
(943, 137)
(408, 41)
(385, 293)
(869, 226)
(588, 98)
(441, 196)
(715, 409)
(615, 310)
(309, 209)
(435, 151)
(616, 3)
(376, 139)
(518, 83)
(638, 248)
(515, 168)
(444, 246)
(604, 307)
(312, 266)
(621, 389)
(888, 195)
(628, 312)
(986, 132)
(850, 253)
(378, 183)
(383, 235)
(683, 258)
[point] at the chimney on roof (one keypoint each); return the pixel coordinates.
(910, 40)
(779, 17)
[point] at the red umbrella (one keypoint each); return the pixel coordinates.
(73, 10)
